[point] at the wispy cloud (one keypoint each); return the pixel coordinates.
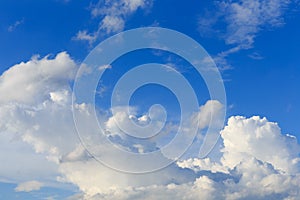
(113, 15)
(13, 27)
(245, 18)
(256, 56)
(239, 22)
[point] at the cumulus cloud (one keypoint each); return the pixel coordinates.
(256, 161)
(31, 82)
(36, 110)
(43, 119)
(254, 175)
(258, 138)
(113, 16)
(28, 186)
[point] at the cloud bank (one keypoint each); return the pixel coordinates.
(255, 161)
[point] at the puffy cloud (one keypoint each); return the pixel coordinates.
(245, 170)
(261, 139)
(259, 180)
(29, 186)
(44, 120)
(258, 162)
(31, 82)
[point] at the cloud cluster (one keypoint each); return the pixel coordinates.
(256, 161)
(246, 170)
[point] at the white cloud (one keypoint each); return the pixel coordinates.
(249, 168)
(242, 21)
(198, 165)
(210, 114)
(112, 24)
(20, 163)
(84, 35)
(259, 180)
(29, 186)
(201, 188)
(31, 82)
(113, 14)
(256, 161)
(36, 110)
(93, 178)
(258, 138)
(44, 120)
(246, 18)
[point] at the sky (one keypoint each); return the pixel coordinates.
(213, 114)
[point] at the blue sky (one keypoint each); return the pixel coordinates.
(255, 45)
